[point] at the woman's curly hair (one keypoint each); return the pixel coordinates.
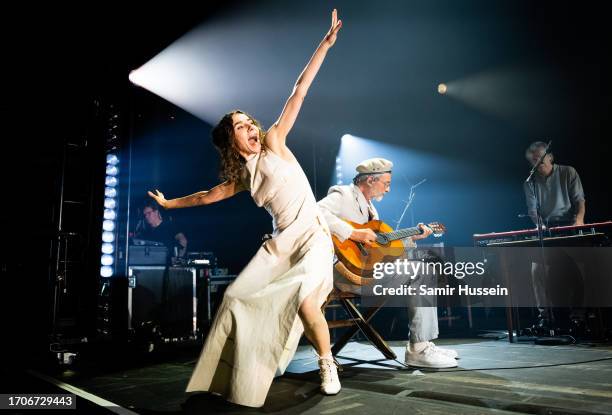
(232, 163)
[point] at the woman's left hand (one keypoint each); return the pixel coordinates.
(330, 37)
(159, 198)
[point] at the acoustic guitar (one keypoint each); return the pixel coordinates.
(359, 258)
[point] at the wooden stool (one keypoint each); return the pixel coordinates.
(356, 322)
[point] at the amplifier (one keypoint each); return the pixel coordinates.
(147, 255)
(210, 291)
(164, 297)
(157, 301)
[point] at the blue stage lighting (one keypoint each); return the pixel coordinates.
(110, 214)
(107, 259)
(112, 159)
(108, 237)
(108, 248)
(108, 225)
(106, 271)
(110, 192)
(111, 181)
(110, 203)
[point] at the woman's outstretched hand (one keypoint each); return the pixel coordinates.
(332, 34)
(159, 198)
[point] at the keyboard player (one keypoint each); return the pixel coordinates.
(558, 188)
(561, 196)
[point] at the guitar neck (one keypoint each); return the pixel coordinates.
(402, 233)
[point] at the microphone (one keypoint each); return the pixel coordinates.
(540, 160)
(418, 184)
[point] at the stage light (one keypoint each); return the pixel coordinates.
(112, 159)
(133, 77)
(108, 237)
(110, 214)
(110, 192)
(108, 248)
(112, 170)
(338, 160)
(107, 259)
(110, 203)
(110, 195)
(346, 137)
(106, 271)
(108, 225)
(442, 89)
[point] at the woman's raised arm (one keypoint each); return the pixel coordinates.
(277, 134)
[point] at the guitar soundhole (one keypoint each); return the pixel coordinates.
(382, 240)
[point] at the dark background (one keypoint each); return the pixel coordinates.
(66, 64)
(523, 71)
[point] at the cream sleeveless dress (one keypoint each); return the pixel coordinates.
(257, 327)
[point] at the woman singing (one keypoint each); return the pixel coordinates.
(279, 294)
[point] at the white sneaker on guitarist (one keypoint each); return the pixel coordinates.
(330, 383)
(448, 352)
(429, 357)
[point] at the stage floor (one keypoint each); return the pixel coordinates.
(492, 377)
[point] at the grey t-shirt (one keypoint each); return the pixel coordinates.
(559, 194)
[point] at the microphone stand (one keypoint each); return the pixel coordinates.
(539, 220)
(531, 180)
(411, 196)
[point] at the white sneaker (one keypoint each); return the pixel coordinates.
(448, 352)
(330, 384)
(429, 357)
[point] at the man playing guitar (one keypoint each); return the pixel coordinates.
(354, 203)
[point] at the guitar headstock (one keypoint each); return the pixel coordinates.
(438, 229)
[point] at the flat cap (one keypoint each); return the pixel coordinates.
(375, 165)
